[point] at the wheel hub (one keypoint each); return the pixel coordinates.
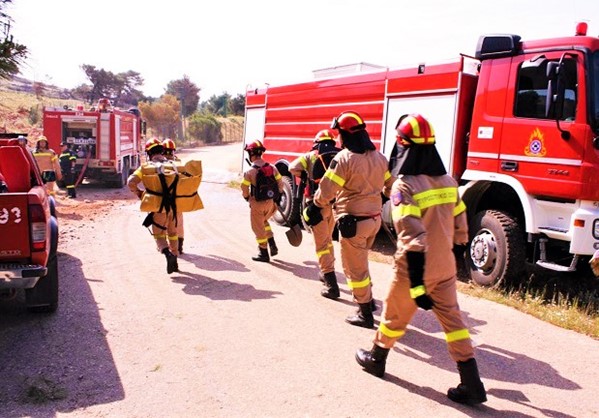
(483, 250)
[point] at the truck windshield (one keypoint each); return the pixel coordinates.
(594, 78)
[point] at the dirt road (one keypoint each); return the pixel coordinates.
(228, 337)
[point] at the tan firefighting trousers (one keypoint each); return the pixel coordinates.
(323, 240)
(399, 308)
(165, 238)
(354, 258)
(260, 213)
(180, 228)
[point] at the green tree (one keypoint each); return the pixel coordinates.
(121, 88)
(12, 54)
(237, 105)
(205, 127)
(187, 92)
(218, 105)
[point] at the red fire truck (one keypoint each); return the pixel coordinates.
(108, 142)
(517, 125)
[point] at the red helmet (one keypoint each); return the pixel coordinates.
(349, 121)
(169, 144)
(414, 129)
(324, 135)
(152, 143)
(256, 147)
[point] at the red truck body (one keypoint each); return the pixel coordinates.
(28, 230)
(108, 144)
(528, 166)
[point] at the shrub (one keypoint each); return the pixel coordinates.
(205, 128)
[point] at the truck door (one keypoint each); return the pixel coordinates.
(532, 148)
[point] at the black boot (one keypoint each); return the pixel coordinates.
(471, 390)
(262, 255)
(180, 245)
(273, 247)
(363, 317)
(171, 261)
(373, 361)
(331, 290)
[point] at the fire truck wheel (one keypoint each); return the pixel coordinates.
(288, 207)
(497, 249)
(43, 298)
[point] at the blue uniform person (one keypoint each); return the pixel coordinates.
(67, 165)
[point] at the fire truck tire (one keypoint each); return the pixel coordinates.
(43, 298)
(289, 208)
(122, 177)
(497, 249)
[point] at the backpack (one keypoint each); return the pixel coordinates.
(324, 156)
(266, 185)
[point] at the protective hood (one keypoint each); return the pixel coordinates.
(358, 142)
(420, 159)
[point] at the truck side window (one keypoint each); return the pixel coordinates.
(531, 91)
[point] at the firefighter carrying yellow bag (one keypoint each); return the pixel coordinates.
(172, 186)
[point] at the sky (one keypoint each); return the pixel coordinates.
(232, 45)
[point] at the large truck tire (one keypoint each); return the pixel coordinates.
(496, 253)
(289, 207)
(123, 175)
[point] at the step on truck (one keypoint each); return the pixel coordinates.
(28, 229)
(517, 125)
(108, 142)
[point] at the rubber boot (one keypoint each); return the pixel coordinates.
(181, 245)
(262, 255)
(331, 290)
(471, 390)
(171, 261)
(363, 317)
(273, 247)
(373, 361)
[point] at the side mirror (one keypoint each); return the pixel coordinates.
(48, 176)
(556, 90)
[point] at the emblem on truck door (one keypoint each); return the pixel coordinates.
(536, 144)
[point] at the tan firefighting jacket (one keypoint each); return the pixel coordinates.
(160, 173)
(47, 160)
(356, 181)
(429, 216)
(249, 179)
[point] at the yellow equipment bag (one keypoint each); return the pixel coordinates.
(171, 186)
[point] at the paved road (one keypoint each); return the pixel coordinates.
(228, 337)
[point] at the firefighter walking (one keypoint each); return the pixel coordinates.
(430, 220)
(310, 167)
(162, 222)
(261, 208)
(67, 166)
(47, 160)
(170, 149)
(354, 180)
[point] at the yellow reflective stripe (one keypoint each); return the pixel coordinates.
(417, 291)
(43, 154)
(158, 236)
(460, 207)
(70, 187)
(334, 178)
(267, 228)
(55, 158)
(406, 210)
(303, 162)
(436, 197)
(358, 285)
(246, 182)
(461, 334)
(321, 253)
(389, 332)
(278, 176)
(173, 238)
(261, 241)
(387, 175)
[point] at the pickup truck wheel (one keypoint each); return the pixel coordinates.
(496, 253)
(43, 298)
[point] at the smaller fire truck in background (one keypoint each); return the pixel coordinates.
(108, 142)
(517, 125)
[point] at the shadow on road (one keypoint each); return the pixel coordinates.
(60, 362)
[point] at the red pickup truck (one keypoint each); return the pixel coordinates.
(28, 229)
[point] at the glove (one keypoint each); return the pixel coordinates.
(139, 193)
(416, 274)
(304, 176)
(247, 199)
(594, 263)
(312, 215)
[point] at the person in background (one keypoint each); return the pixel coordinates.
(310, 167)
(432, 232)
(67, 166)
(47, 160)
(354, 181)
(170, 149)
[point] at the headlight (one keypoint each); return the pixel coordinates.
(596, 229)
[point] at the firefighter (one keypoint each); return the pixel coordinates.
(354, 180)
(430, 220)
(22, 141)
(47, 160)
(170, 149)
(261, 210)
(67, 166)
(162, 223)
(310, 167)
